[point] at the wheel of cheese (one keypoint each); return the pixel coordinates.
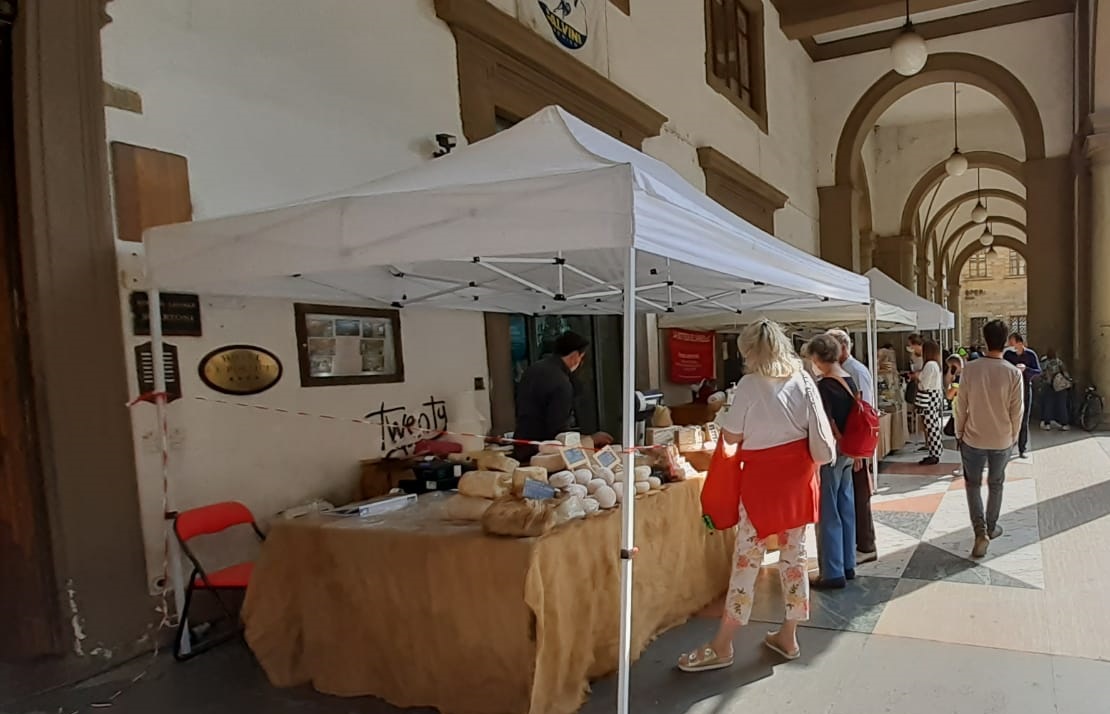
(590, 504)
(642, 473)
(595, 484)
(655, 482)
(577, 490)
(642, 487)
(584, 476)
(606, 497)
(606, 475)
(548, 448)
(561, 479)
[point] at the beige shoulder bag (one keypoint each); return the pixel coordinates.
(822, 443)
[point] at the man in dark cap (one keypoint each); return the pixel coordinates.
(545, 394)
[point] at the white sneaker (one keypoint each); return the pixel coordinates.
(1065, 427)
(862, 558)
(1045, 426)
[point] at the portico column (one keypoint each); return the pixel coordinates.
(894, 255)
(1098, 154)
(839, 234)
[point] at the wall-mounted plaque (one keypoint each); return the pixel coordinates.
(180, 314)
(240, 370)
(342, 345)
(144, 367)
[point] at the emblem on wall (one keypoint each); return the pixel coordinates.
(240, 370)
(578, 26)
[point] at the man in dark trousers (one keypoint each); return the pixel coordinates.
(545, 394)
(1029, 365)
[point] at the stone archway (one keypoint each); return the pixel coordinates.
(955, 271)
(941, 68)
(957, 235)
(955, 203)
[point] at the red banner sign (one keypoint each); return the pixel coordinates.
(692, 357)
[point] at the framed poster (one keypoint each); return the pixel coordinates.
(342, 345)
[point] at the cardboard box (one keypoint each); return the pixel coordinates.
(689, 436)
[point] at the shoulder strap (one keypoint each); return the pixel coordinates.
(855, 395)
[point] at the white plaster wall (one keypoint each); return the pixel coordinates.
(903, 154)
(1038, 52)
(273, 101)
(673, 81)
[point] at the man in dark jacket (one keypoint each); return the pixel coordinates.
(545, 395)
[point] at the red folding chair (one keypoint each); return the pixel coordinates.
(209, 520)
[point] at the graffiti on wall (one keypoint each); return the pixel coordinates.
(401, 427)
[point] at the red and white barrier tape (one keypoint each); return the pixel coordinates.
(412, 430)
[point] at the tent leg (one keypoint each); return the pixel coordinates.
(873, 365)
(173, 554)
(628, 520)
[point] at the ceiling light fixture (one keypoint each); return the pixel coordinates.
(979, 213)
(956, 165)
(909, 53)
(987, 239)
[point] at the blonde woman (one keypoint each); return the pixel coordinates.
(774, 408)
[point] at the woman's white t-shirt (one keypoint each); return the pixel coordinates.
(929, 379)
(768, 412)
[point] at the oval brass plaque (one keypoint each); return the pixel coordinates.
(240, 370)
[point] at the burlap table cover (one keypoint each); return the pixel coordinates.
(422, 612)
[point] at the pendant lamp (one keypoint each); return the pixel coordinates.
(908, 54)
(957, 162)
(979, 213)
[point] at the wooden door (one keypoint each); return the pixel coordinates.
(29, 617)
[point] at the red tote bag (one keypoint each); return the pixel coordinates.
(720, 497)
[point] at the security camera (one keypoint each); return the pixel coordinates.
(446, 143)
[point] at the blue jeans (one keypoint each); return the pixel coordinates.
(974, 461)
(836, 531)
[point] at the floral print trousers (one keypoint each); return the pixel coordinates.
(747, 561)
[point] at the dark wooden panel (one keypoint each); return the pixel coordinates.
(151, 187)
(29, 615)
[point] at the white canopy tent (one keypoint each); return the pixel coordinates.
(550, 216)
(886, 317)
(930, 316)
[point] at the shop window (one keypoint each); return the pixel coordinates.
(977, 268)
(1016, 266)
(1019, 324)
(734, 55)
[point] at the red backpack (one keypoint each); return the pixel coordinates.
(861, 430)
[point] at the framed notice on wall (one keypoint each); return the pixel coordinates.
(691, 355)
(340, 345)
(180, 314)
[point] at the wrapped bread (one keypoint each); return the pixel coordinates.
(518, 518)
(561, 479)
(655, 482)
(569, 509)
(595, 484)
(536, 473)
(486, 484)
(495, 461)
(576, 489)
(551, 462)
(606, 497)
(464, 508)
(590, 505)
(583, 476)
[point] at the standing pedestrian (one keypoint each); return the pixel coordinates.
(1027, 363)
(836, 529)
(930, 401)
(862, 485)
(989, 416)
(1056, 387)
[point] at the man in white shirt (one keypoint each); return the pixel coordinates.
(861, 474)
(989, 416)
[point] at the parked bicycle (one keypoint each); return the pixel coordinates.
(1089, 414)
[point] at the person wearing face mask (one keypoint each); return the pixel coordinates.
(545, 394)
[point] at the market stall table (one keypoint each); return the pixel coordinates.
(424, 612)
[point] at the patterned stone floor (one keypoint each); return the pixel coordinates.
(1024, 595)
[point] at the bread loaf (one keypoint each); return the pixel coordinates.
(495, 461)
(486, 484)
(464, 508)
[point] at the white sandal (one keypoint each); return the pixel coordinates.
(769, 643)
(704, 660)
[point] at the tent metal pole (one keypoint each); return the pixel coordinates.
(873, 365)
(158, 362)
(628, 519)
